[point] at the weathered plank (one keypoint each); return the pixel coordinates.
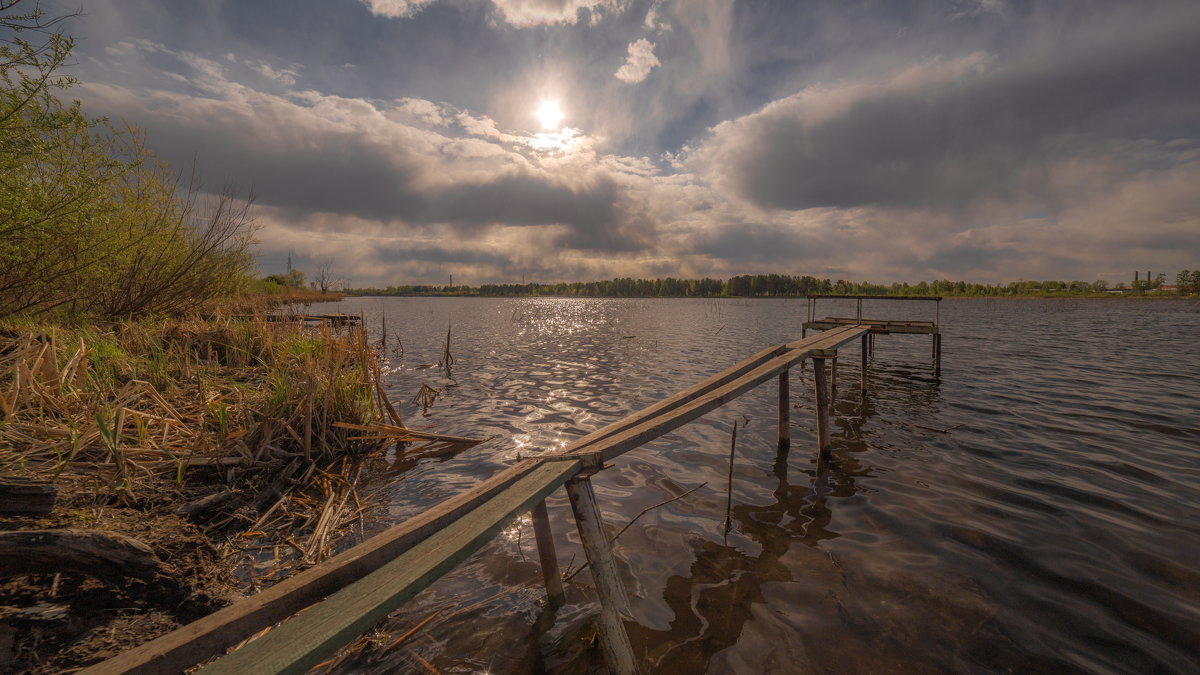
(23, 495)
(931, 298)
(881, 326)
(704, 387)
(111, 558)
(667, 421)
(314, 635)
(682, 398)
(220, 630)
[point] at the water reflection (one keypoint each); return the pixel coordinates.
(1033, 510)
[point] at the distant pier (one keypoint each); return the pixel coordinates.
(880, 326)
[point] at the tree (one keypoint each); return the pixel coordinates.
(1183, 281)
(90, 221)
(324, 277)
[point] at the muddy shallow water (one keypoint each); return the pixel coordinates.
(1035, 508)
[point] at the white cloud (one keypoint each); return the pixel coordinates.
(639, 63)
(396, 9)
(543, 12)
(520, 13)
(285, 76)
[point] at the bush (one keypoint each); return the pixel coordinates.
(90, 221)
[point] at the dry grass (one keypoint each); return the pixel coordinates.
(141, 421)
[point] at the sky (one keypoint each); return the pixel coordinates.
(404, 141)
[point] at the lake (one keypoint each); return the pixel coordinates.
(1036, 508)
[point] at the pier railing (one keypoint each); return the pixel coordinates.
(347, 594)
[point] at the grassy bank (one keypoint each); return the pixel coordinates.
(230, 449)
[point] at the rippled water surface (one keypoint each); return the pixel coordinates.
(1036, 508)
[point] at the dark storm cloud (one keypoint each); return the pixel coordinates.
(759, 243)
(942, 137)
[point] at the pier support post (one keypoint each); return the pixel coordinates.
(863, 376)
(822, 394)
(937, 353)
(555, 597)
(785, 404)
(833, 363)
(614, 641)
(871, 345)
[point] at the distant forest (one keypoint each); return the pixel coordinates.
(784, 285)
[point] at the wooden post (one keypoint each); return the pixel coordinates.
(785, 404)
(937, 353)
(547, 556)
(871, 345)
(863, 376)
(614, 641)
(822, 393)
(833, 379)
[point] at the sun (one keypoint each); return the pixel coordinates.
(549, 114)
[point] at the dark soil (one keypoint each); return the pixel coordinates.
(51, 623)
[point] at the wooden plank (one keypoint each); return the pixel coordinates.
(849, 321)
(931, 298)
(614, 641)
(112, 558)
(222, 629)
(692, 393)
(652, 428)
(879, 328)
(314, 635)
(24, 495)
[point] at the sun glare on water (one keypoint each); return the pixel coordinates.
(549, 114)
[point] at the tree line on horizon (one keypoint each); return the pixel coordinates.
(784, 285)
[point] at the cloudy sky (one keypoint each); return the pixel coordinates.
(408, 140)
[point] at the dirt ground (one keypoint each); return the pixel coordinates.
(51, 623)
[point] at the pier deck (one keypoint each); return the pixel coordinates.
(881, 326)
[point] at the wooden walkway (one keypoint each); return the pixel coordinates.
(347, 594)
(881, 326)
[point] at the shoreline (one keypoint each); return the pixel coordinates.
(201, 455)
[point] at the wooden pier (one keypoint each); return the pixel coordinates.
(880, 326)
(346, 595)
(335, 320)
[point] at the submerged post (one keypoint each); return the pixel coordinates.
(937, 353)
(785, 404)
(863, 376)
(544, 536)
(822, 394)
(614, 641)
